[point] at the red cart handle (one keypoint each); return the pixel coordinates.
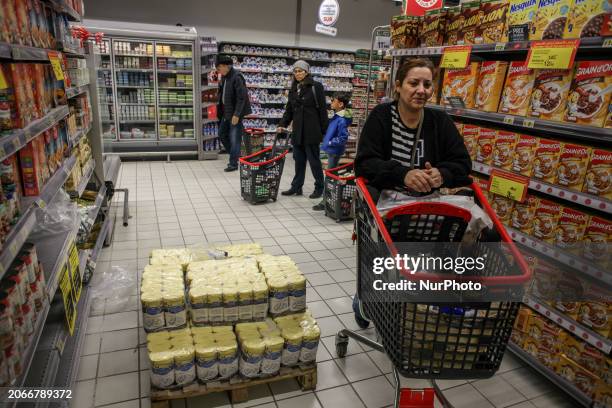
(329, 172)
(254, 131)
(244, 160)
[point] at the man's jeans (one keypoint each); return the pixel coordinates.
(231, 137)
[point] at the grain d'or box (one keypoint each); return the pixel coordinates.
(589, 96)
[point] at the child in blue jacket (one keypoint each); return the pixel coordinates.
(336, 136)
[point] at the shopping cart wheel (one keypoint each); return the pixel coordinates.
(341, 345)
(360, 319)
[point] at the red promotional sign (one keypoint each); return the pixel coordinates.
(419, 7)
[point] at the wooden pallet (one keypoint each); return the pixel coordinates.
(237, 386)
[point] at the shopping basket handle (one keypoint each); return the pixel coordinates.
(276, 139)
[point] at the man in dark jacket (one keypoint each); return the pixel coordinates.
(307, 110)
(232, 107)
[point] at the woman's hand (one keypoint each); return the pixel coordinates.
(419, 181)
(435, 175)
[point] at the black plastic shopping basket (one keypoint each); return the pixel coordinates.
(252, 141)
(434, 340)
(339, 191)
(260, 174)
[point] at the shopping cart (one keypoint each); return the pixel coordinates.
(339, 190)
(260, 173)
(252, 141)
(434, 340)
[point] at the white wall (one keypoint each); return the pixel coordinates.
(253, 21)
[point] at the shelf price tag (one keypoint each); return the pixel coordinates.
(56, 64)
(528, 123)
(3, 83)
(509, 120)
(508, 185)
(557, 54)
(456, 57)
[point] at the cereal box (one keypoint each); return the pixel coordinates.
(570, 229)
(503, 152)
(545, 160)
(590, 92)
(598, 240)
(578, 375)
(569, 309)
(436, 85)
(586, 19)
(484, 145)
(470, 136)
(23, 21)
(523, 214)
(545, 332)
(459, 127)
(608, 123)
(545, 279)
(598, 179)
(31, 168)
(549, 94)
(524, 154)
(546, 219)
(603, 395)
(551, 19)
(573, 161)
(454, 22)
(461, 83)
(522, 319)
(471, 21)
(492, 25)
(584, 354)
(434, 26)
(518, 338)
(490, 85)
(521, 15)
(399, 24)
(502, 207)
(517, 90)
(597, 316)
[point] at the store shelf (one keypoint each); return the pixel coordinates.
(175, 104)
(63, 7)
(71, 51)
(562, 256)
(549, 128)
(587, 335)
(209, 87)
(177, 121)
(136, 104)
(267, 86)
(204, 121)
(290, 57)
(93, 213)
(175, 71)
(135, 86)
(133, 69)
(207, 70)
(176, 87)
(209, 137)
(12, 141)
(574, 197)
(126, 122)
(53, 255)
(268, 103)
(76, 91)
(118, 54)
(85, 178)
(553, 377)
(263, 117)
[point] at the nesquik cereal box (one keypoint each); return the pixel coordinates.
(551, 19)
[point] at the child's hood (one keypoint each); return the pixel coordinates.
(347, 114)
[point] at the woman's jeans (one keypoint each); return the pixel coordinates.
(307, 153)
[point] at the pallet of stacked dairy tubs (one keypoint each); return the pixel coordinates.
(268, 72)
(211, 144)
(549, 130)
(149, 105)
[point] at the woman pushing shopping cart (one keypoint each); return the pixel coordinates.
(407, 147)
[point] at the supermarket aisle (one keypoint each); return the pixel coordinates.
(188, 203)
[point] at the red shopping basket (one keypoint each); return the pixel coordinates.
(252, 141)
(339, 191)
(260, 174)
(437, 340)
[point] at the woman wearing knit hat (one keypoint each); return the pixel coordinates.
(307, 111)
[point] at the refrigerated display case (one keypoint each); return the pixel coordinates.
(147, 89)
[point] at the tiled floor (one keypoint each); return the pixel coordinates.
(191, 203)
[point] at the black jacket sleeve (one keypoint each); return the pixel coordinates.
(324, 120)
(370, 161)
(220, 102)
(287, 116)
(241, 95)
(456, 165)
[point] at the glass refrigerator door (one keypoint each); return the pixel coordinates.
(135, 84)
(105, 89)
(174, 66)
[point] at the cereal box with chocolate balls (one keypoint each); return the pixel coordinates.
(524, 154)
(521, 15)
(454, 22)
(546, 219)
(569, 309)
(433, 29)
(570, 229)
(598, 179)
(490, 84)
(493, 19)
(485, 141)
(598, 241)
(399, 25)
(586, 18)
(517, 89)
(583, 379)
(590, 93)
(503, 152)
(603, 395)
(551, 19)
(545, 160)
(471, 21)
(549, 94)
(502, 207)
(461, 83)
(584, 354)
(523, 214)
(470, 136)
(573, 161)
(597, 316)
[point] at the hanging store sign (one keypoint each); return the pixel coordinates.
(419, 7)
(329, 11)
